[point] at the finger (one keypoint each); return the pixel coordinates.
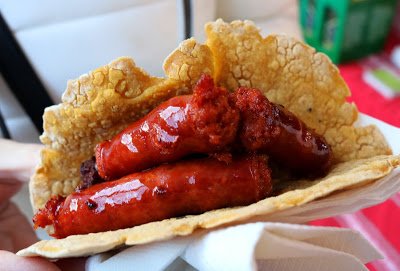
(7, 190)
(15, 230)
(12, 262)
(18, 160)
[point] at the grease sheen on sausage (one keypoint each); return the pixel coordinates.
(204, 122)
(170, 190)
(269, 128)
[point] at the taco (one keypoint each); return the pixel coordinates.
(99, 105)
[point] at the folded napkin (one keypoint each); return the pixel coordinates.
(253, 246)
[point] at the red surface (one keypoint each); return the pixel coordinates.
(380, 224)
(386, 217)
(367, 99)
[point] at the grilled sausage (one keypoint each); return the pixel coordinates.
(170, 190)
(204, 122)
(269, 128)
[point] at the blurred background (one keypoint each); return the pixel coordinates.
(44, 43)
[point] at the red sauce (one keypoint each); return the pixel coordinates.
(271, 129)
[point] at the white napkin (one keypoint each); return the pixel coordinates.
(341, 203)
(254, 246)
(269, 245)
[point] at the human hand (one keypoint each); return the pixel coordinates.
(17, 163)
(11, 262)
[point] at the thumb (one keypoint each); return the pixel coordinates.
(12, 262)
(18, 160)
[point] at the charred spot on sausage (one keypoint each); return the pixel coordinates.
(89, 174)
(159, 190)
(91, 204)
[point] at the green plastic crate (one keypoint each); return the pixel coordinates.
(346, 29)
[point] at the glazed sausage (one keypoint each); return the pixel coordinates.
(200, 123)
(170, 190)
(269, 128)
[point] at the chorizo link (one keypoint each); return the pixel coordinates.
(170, 190)
(269, 128)
(204, 122)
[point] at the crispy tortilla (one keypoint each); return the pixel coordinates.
(101, 103)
